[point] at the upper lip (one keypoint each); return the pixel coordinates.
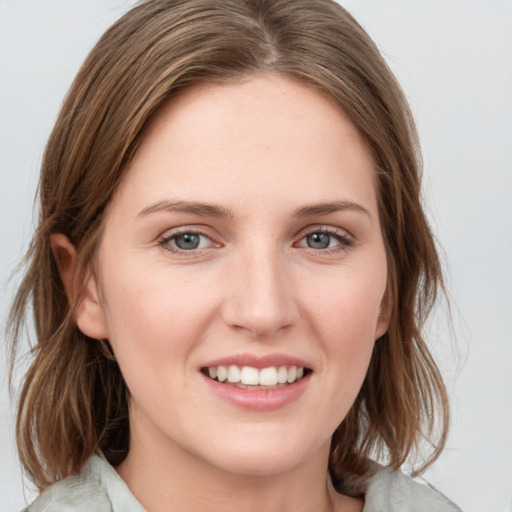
(258, 361)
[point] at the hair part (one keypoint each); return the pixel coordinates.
(74, 401)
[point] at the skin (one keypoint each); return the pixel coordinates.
(263, 150)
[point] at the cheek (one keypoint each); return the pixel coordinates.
(155, 321)
(346, 305)
(344, 317)
(153, 314)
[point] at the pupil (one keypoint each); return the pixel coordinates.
(187, 241)
(318, 240)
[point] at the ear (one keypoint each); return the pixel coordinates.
(89, 314)
(382, 326)
(384, 314)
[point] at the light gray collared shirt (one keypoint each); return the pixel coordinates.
(99, 488)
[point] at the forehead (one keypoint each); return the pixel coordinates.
(251, 103)
(264, 133)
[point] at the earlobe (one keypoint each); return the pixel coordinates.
(382, 325)
(83, 297)
(89, 313)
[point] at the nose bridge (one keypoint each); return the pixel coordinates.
(261, 298)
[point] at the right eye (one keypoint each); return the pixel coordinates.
(185, 241)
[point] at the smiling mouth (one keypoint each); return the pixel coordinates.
(248, 377)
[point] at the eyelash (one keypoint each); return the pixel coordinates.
(345, 241)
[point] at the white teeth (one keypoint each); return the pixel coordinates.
(282, 375)
(250, 376)
(222, 373)
(233, 373)
(268, 376)
(292, 374)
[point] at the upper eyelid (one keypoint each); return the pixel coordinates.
(168, 235)
(176, 234)
(180, 230)
(325, 228)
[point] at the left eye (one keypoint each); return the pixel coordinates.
(320, 240)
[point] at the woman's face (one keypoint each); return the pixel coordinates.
(243, 246)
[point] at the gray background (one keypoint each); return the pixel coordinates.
(454, 60)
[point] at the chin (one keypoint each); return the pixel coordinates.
(259, 457)
(258, 465)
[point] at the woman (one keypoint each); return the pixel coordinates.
(231, 272)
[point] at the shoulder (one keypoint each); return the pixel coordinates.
(391, 491)
(73, 494)
(98, 487)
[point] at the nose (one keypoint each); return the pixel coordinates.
(260, 299)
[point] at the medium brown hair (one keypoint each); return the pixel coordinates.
(74, 400)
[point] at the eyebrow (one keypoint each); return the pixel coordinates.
(213, 210)
(195, 208)
(330, 207)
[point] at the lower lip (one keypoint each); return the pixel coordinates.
(259, 399)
